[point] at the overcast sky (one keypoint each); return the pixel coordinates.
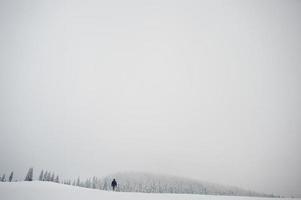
(202, 89)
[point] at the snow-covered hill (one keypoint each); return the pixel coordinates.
(156, 183)
(53, 191)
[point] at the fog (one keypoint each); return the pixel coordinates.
(202, 89)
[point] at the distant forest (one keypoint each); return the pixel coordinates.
(143, 182)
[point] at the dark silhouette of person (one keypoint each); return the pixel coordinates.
(114, 184)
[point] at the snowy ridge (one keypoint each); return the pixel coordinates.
(153, 183)
(38, 190)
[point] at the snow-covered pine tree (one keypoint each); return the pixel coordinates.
(48, 176)
(57, 179)
(41, 177)
(52, 177)
(45, 176)
(88, 183)
(11, 176)
(94, 182)
(3, 178)
(78, 182)
(105, 185)
(29, 175)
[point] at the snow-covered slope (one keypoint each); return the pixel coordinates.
(52, 191)
(156, 183)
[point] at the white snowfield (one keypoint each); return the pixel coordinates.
(37, 190)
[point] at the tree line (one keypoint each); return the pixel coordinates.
(139, 182)
(44, 176)
(52, 177)
(10, 178)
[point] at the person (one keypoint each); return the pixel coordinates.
(114, 184)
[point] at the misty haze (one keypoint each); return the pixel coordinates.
(189, 97)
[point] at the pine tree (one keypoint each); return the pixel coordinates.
(45, 176)
(78, 182)
(52, 177)
(94, 182)
(48, 176)
(88, 183)
(29, 175)
(105, 185)
(41, 177)
(57, 179)
(3, 178)
(11, 176)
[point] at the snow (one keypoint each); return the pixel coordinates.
(37, 190)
